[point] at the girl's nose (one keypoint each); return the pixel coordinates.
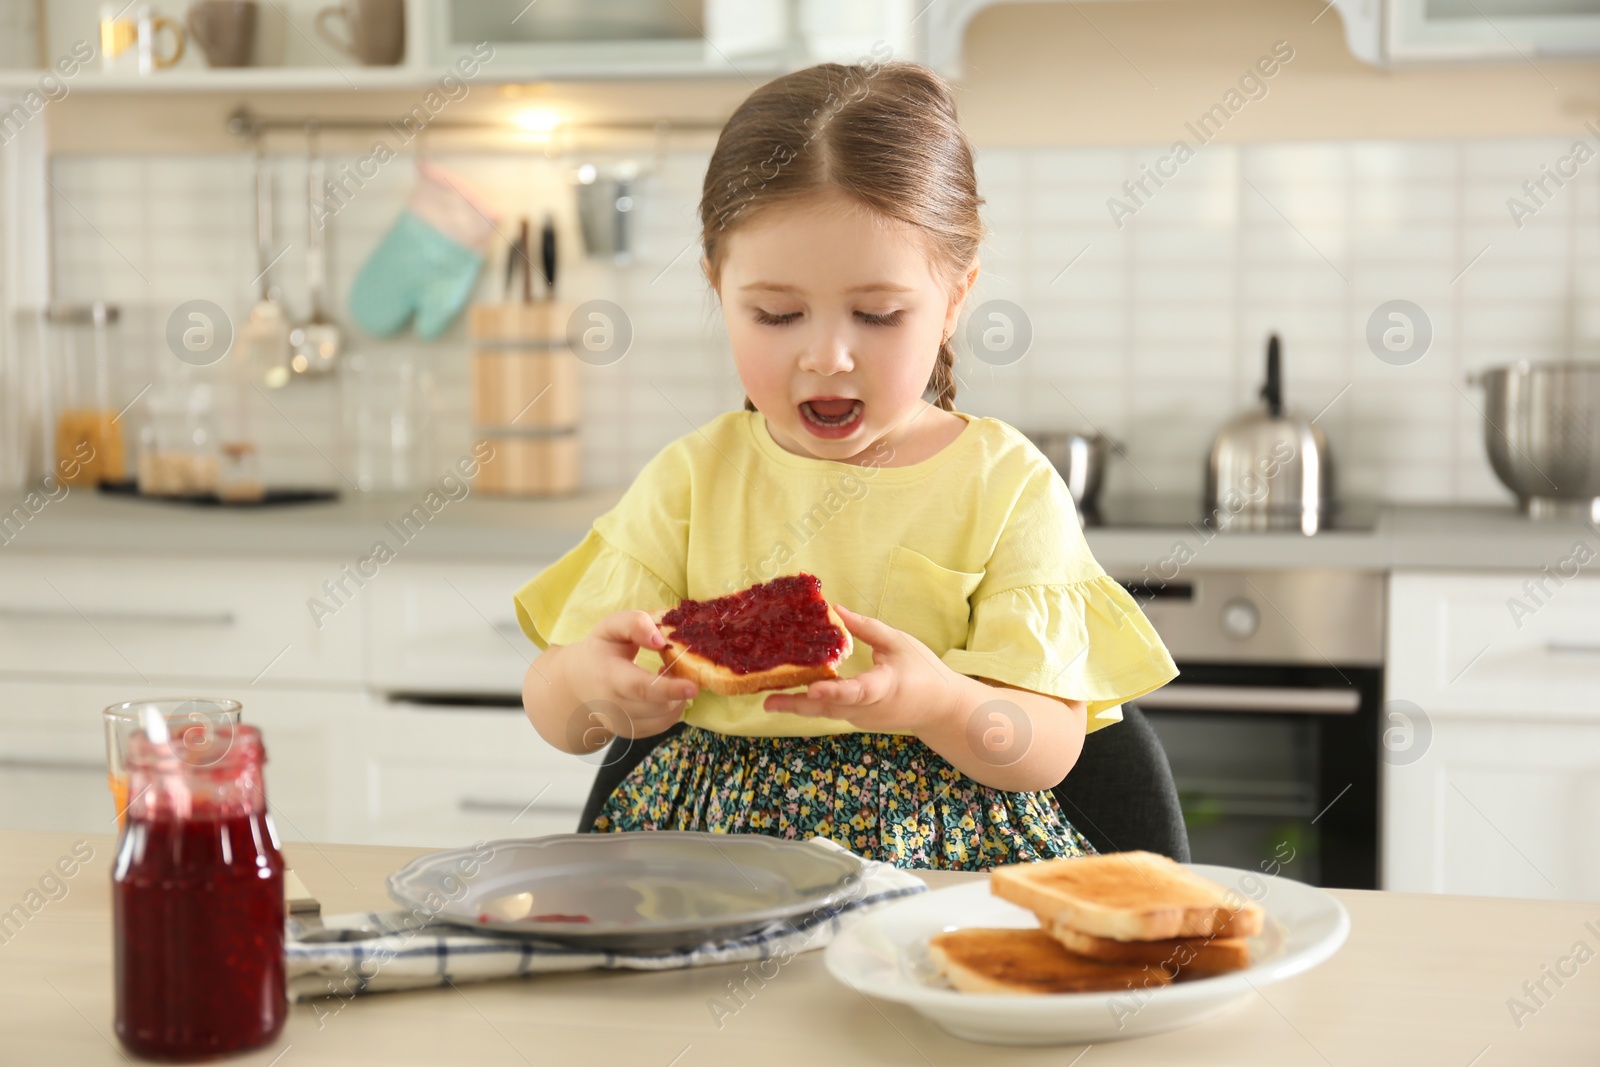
(828, 353)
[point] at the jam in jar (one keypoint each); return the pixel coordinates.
(197, 899)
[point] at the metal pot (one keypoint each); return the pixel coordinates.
(1541, 429)
(1080, 459)
(1270, 468)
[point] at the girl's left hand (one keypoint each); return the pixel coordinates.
(906, 688)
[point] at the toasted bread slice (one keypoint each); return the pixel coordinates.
(982, 960)
(1127, 896)
(1184, 957)
(680, 661)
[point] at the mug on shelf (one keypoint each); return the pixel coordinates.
(375, 30)
(129, 38)
(225, 30)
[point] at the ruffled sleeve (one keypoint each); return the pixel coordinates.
(1084, 640)
(1046, 617)
(563, 603)
(632, 558)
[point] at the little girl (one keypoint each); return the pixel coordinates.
(840, 228)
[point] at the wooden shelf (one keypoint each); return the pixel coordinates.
(355, 79)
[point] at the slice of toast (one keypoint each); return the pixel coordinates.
(1127, 896)
(750, 616)
(1184, 957)
(982, 960)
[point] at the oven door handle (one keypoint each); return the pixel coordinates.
(1253, 698)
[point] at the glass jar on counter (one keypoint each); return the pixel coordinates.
(178, 443)
(84, 344)
(197, 897)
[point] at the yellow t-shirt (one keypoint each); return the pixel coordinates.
(976, 551)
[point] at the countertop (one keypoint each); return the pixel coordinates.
(1422, 980)
(537, 531)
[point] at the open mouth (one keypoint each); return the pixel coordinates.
(831, 417)
(832, 412)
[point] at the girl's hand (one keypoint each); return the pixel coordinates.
(615, 693)
(906, 688)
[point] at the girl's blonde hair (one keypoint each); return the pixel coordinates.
(884, 134)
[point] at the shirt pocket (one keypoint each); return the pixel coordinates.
(927, 601)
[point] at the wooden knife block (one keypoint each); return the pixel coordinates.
(525, 399)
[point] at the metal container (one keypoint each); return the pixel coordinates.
(1080, 458)
(605, 202)
(1270, 468)
(1541, 428)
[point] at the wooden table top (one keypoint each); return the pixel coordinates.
(1423, 980)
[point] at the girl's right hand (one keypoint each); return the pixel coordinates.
(601, 672)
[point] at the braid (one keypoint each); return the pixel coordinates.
(943, 381)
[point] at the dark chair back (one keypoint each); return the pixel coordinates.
(1120, 794)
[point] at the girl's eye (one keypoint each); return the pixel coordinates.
(766, 318)
(891, 318)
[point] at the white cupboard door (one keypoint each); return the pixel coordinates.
(53, 752)
(1497, 809)
(151, 620)
(447, 776)
(448, 628)
(1496, 643)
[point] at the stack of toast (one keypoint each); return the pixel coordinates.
(1125, 920)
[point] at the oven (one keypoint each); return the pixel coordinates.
(1272, 725)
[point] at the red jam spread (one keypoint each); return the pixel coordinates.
(778, 623)
(198, 921)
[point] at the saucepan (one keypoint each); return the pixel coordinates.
(1541, 429)
(1080, 458)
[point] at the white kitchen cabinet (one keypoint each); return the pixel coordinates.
(53, 754)
(447, 628)
(448, 775)
(156, 619)
(1505, 797)
(1487, 643)
(377, 755)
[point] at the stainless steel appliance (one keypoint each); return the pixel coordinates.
(1269, 468)
(1541, 428)
(1272, 724)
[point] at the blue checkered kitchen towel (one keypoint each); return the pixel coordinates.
(409, 955)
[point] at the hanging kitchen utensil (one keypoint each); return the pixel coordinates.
(317, 341)
(262, 347)
(605, 199)
(1270, 468)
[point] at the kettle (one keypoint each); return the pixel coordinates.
(1269, 468)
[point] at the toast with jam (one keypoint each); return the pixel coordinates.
(773, 635)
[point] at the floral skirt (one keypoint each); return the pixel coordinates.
(884, 796)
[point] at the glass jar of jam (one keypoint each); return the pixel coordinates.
(197, 898)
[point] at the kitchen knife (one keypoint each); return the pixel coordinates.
(547, 255)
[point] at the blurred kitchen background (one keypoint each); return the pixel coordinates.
(1339, 158)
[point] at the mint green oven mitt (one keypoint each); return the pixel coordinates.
(415, 271)
(427, 265)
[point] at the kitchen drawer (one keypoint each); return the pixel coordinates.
(435, 628)
(1483, 643)
(412, 774)
(53, 751)
(243, 620)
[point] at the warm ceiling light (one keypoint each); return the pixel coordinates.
(536, 120)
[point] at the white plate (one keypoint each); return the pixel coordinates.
(659, 891)
(884, 954)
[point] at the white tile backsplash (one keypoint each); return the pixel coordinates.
(1154, 335)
